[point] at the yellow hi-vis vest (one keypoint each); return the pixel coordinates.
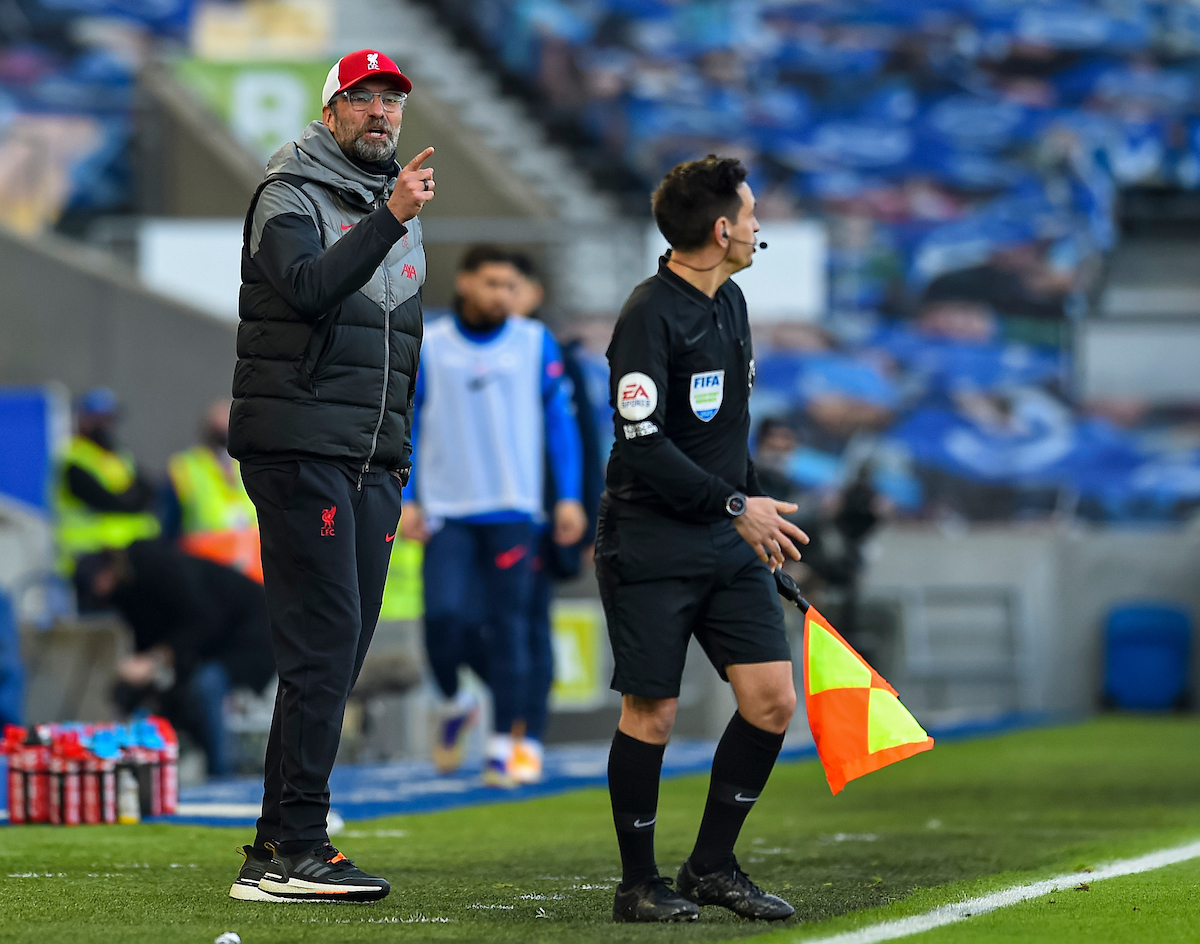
(210, 499)
(83, 530)
(219, 522)
(404, 592)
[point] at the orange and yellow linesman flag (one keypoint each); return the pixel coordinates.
(855, 716)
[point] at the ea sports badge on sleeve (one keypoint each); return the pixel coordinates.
(706, 392)
(637, 396)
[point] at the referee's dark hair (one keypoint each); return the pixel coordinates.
(478, 256)
(693, 196)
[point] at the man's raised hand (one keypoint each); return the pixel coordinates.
(762, 527)
(414, 188)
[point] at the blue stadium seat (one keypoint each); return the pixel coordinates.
(1147, 649)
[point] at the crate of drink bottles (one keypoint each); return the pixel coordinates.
(73, 774)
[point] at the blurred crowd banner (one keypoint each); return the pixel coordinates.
(260, 66)
(37, 156)
(262, 29)
(265, 105)
(67, 99)
(65, 123)
(68, 70)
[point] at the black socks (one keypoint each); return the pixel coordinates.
(742, 764)
(633, 771)
(740, 770)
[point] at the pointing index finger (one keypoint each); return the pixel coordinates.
(416, 162)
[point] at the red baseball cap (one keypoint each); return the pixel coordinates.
(364, 64)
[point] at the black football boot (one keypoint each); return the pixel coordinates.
(731, 888)
(652, 899)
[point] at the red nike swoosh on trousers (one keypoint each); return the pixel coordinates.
(510, 557)
(388, 537)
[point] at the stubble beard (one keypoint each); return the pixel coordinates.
(746, 255)
(353, 140)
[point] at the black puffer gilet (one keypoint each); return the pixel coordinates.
(330, 332)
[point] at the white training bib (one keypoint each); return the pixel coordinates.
(481, 442)
(706, 392)
(637, 396)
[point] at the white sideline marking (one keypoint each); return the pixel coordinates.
(220, 810)
(950, 914)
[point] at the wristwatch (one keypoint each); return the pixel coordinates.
(735, 505)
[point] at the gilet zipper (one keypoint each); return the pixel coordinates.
(387, 363)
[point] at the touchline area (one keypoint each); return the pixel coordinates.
(972, 907)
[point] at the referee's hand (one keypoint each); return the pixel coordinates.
(570, 521)
(414, 188)
(771, 536)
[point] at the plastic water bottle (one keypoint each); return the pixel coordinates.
(129, 805)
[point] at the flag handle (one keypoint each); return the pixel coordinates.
(789, 590)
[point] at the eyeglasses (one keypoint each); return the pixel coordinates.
(361, 99)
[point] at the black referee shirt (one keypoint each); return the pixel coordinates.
(681, 368)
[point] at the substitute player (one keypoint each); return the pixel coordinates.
(686, 545)
(489, 405)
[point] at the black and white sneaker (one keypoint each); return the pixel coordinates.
(323, 874)
(731, 888)
(652, 899)
(258, 865)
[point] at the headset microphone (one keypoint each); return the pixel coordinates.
(744, 242)
(724, 235)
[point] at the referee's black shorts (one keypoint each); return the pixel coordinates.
(663, 581)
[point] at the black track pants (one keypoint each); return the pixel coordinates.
(325, 553)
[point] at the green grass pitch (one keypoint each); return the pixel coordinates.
(964, 819)
(1156, 906)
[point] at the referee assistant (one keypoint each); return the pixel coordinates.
(686, 545)
(328, 344)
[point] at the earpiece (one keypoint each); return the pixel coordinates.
(724, 235)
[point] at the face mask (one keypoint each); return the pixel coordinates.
(217, 440)
(103, 437)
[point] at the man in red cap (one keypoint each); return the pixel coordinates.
(328, 344)
(365, 131)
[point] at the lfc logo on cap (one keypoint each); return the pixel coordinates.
(373, 61)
